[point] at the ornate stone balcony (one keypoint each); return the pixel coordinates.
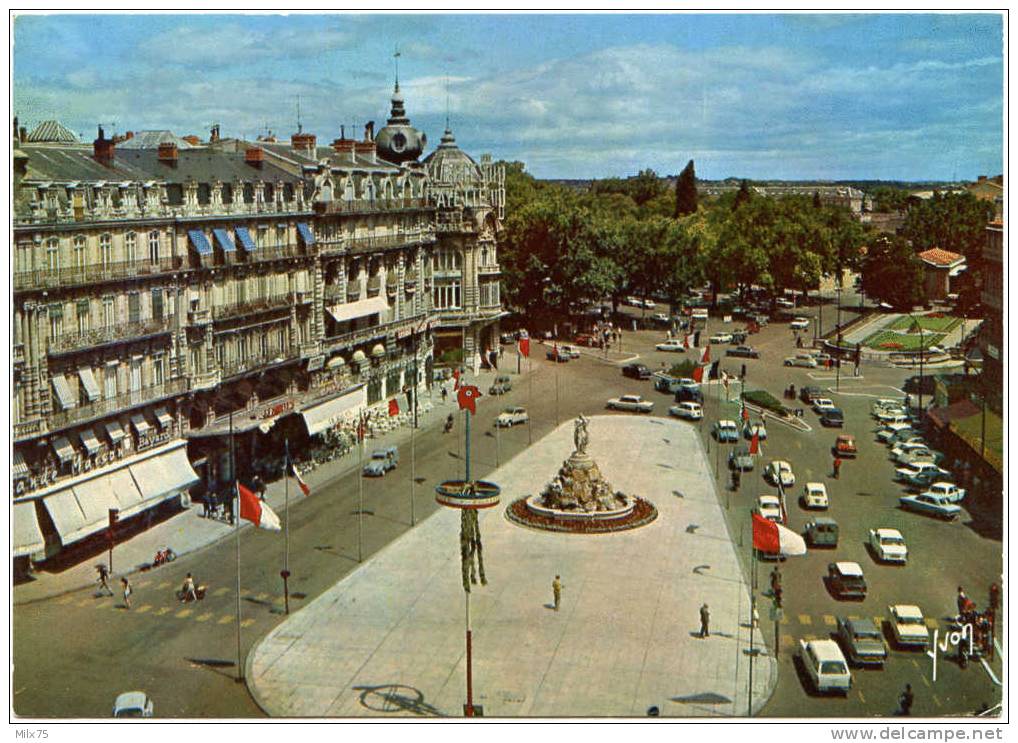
(369, 207)
(251, 307)
(122, 333)
(45, 278)
(112, 405)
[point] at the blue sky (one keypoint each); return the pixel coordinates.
(760, 96)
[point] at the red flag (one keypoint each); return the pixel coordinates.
(754, 444)
(258, 513)
(361, 428)
(776, 539)
(393, 406)
(706, 355)
(467, 398)
(685, 342)
(524, 347)
(304, 487)
(456, 379)
(745, 414)
(698, 374)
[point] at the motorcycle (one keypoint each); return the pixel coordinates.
(164, 556)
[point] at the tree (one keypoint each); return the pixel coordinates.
(742, 195)
(955, 222)
(685, 191)
(817, 203)
(892, 273)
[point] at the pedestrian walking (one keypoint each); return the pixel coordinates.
(104, 578)
(126, 585)
(704, 621)
(905, 700)
(963, 601)
(556, 590)
(445, 393)
(775, 580)
(188, 590)
(837, 467)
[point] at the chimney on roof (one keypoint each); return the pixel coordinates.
(168, 153)
(23, 133)
(102, 149)
(982, 178)
(369, 132)
(192, 139)
(214, 134)
(304, 143)
(254, 156)
(367, 149)
(14, 135)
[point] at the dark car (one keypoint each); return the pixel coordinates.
(740, 459)
(636, 371)
(806, 394)
(557, 355)
(739, 336)
(586, 339)
(846, 580)
(689, 394)
(863, 642)
(745, 352)
(833, 418)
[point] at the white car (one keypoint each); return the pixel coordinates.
(634, 403)
(780, 472)
(915, 454)
(886, 403)
(786, 303)
(908, 625)
(825, 665)
(814, 495)
(721, 338)
(799, 323)
(769, 506)
(892, 415)
(946, 491)
(569, 352)
(801, 359)
(133, 704)
(689, 410)
(893, 431)
(823, 404)
(661, 317)
(648, 304)
(672, 345)
(920, 471)
(904, 447)
(511, 417)
(888, 545)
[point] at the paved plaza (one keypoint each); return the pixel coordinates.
(388, 639)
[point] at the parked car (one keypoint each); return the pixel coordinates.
(822, 532)
(382, 460)
(846, 580)
(784, 303)
(726, 432)
(814, 495)
(689, 394)
(806, 394)
(922, 474)
(932, 505)
(799, 323)
(688, 410)
(832, 418)
(721, 338)
(632, 403)
(743, 352)
(885, 403)
(779, 472)
(893, 415)
(844, 446)
(769, 506)
(636, 371)
(823, 404)
(674, 345)
(801, 359)
(511, 417)
(664, 382)
(740, 459)
(902, 448)
(661, 317)
(133, 704)
(501, 385)
(894, 431)
(757, 428)
(825, 666)
(916, 455)
(739, 337)
(648, 304)
(823, 359)
(888, 545)
(557, 355)
(946, 490)
(862, 641)
(567, 350)
(586, 339)
(908, 627)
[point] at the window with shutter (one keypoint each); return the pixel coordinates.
(157, 304)
(134, 307)
(110, 379)
(82, 315)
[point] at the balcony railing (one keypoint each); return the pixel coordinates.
(274, 252)
(489, 269)
(250, 307)
(18, 353)
(114, 404)
(206, 380)
(43, 278)
(368, 207)
(335, 342)
(28, 428)
(240, 366)
(368, 243)
(69, 342)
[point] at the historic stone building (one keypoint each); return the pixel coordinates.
(166, 295)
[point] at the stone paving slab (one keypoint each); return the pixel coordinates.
(388, 639)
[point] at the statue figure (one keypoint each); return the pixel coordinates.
(580, 436)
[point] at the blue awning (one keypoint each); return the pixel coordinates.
(223, 238)
(200, 242)
(245, 239)
(305, 233)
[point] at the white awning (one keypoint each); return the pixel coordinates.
(115, 432)
(336, 362)
(63, 449)
(140, 424)
(19, 470)
(68, 518)
(64, 395)
(91, 386)
(164, 476)
(27, 536)
(164, 418)
(321, 417)
(96, 498)
(89, 441)
(353, 310)
(121, 482)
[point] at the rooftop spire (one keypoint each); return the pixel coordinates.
(395, 58)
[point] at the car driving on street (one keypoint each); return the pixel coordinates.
(825, 666)
(908, 626)
(740, 458)
(801, 359)
(636, 371)
(845, 579)
(721, 338)
(862, 641)
(133, 704)
(814, 496)
(799, 323)
(779, 472)
(726, 432)
(888, 545)
(769, 506)
(674, 345)
(632, 403)
(382, 460)
(832, 418)
(688, 410)
(511, 417)
(744, 352)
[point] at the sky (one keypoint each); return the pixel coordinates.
(781, 96)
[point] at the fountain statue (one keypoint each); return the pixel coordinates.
(579, 485)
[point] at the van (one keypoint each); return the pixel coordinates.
(825, 665)
(822, 532)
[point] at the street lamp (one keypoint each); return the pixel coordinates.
(922, 355)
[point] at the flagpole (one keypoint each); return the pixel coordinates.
(467, 414)
(236, 529)
(286, 533)
(360, 492)
(530, 396)
(413, 464)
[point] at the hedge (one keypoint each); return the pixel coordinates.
(765, 400)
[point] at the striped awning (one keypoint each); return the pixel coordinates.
(115, 431)
(223, 238)
(305, 233)
(245, 239)
(27, 536)
(89, 383)
(63, 449)
(89, 441)
(140, 425)
(64, 395)
(164, 418)
(19, 470)
(200, 242)
(353, 310)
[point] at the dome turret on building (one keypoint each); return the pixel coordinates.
(398, 141)
(450, 164)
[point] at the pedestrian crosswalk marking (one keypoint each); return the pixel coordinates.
(164, 610)
(247, 623)
(878, 621)
(66, 599)
(220, 591)
(203, 617)
(805, 619)
(931, 622)
(261, 597)
(829, 620)
(144, 608)
(861, 697)
(85, 602)
(926, 681)
(184, 613)
(225, 619)
(164, 584)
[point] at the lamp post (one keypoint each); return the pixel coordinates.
(922, 356)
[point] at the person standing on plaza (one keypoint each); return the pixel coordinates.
(837, 467)
(104, 578)
(905, 700)
(963, 601)
(445, 393)
(556, 590)
(704, 621)
(126, 585)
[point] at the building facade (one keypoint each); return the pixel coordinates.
(991, 336)
(168, 296)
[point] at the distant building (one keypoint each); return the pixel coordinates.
(989, 189)
(991, 339)
(939, 267)
(851, 198)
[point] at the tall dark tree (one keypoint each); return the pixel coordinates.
(685, 191)
(817, 203)
(742, 195)
(892, 273)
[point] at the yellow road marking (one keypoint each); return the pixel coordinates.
(164, 584)
(144, 608)
(226, 619)
(247, 623)
(164, 610)
(829, 620)
(261, 596)
(861, 697)
(203, 617)
(805, 619)
(914, 662)
(220, 591)
(931, 622)
(184, 613)
(926, 681)
(66, 599)
(935, 700)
